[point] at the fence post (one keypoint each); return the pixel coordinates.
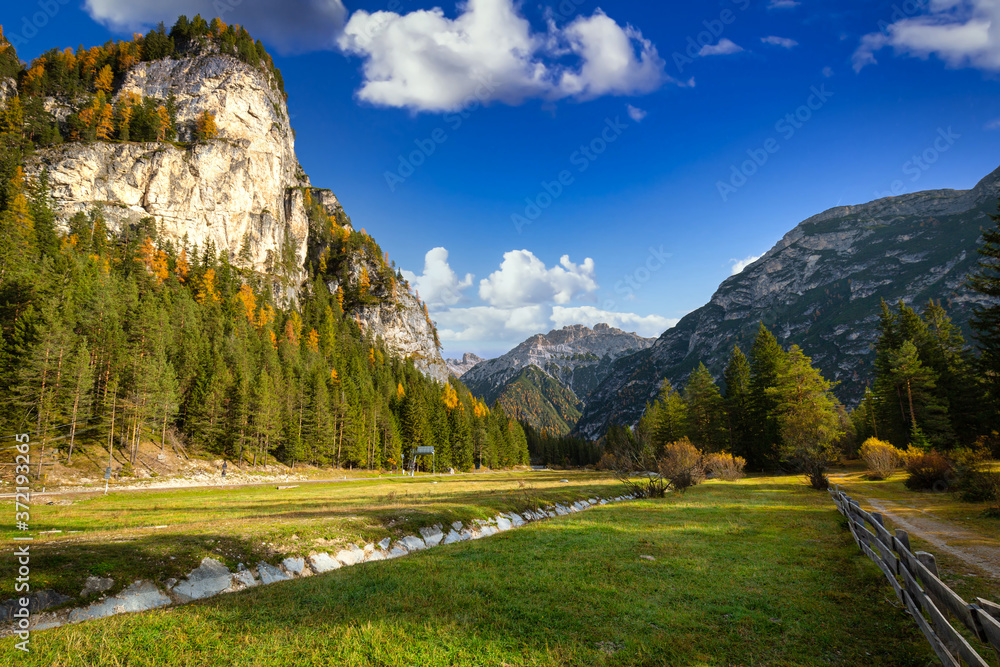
(928, 561)
(903, 537)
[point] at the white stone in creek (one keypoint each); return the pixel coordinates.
(453, 536)
(413, 543)
(140, 596)
(384, 544)
(323, 562)
(351, 555)
(208, 579)
(270, 574)
(503, 523)
(432, 535)
(375, 555)
(295, 565)
(397, 551)
(244, 579)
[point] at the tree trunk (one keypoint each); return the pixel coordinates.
(909, 395)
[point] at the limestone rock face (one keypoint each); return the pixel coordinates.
(8, 89)
(240, 191)
(243, 191)
(459, 367)
(819, 287)
(404, 330)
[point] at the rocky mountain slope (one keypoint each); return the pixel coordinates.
(819, 287)
(547, 379)
(243, 192)
(459, 367)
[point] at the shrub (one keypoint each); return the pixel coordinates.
(928, 471)
(880, 457)
(681, 465)
(725, 466)
(607, 462)
(973, 481)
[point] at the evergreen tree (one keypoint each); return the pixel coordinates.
(766, 360)
(705, 411)
(807, 414)
(986, 317)
(737, 398)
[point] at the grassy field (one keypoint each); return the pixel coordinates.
(165, 533)
(762, 572)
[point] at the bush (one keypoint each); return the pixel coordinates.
(607, 462)
(880, 457)
(930, 471)
(974, 483)
(681, 465)
(725, 466)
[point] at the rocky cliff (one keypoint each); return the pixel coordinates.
(819, 287)
(459, 367)
(548, 378)
(244, 191)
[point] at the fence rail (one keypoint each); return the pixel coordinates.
(914, 578)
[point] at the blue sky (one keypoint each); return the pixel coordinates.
(587, 161)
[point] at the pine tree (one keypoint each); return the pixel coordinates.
(986, 316)
(705, 411)
(808, 417)
(766, 359)
(737, 399)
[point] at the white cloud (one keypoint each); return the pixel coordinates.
(740, 264)
(645, 325)
(438, 285)
(291, 26)
(524, 280)
(635, 113)
(962, 33)
(723, 48)
(425, 61)
(497, 328)
(783, 42)
(783, 4)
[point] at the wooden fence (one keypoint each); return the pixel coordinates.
(928, 600)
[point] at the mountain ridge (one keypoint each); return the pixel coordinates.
(819, 287)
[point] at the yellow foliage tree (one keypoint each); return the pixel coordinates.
(248, 300)
(206, 290)
(450, 397)
(291, 337)
(364, 284)
(312, 340)
(334, 378)
(182, 268)
(205, 127)
(162, 123)
(104, 80)
(340, 297)
(400, 392)
(105, 121)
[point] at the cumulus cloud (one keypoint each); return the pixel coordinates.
(497, 328)
(962, 33)
(291, 26)
(438, 285)
(425, 61)
(740, 264)
(523, 279)
(644, 325)
(635, 113)
(723, 48)
(783, 42)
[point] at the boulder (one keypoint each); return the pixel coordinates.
(323, 562)
(352, 555)
(140, 596)
(269, 574)
(432, 535)
(208, 579)
(95, 585)
(413, 543)
(295, 566)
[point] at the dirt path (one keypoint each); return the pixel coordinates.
(969, 547)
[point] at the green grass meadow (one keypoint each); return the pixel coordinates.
(760, 572)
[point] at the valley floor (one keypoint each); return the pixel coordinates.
(759, 572)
